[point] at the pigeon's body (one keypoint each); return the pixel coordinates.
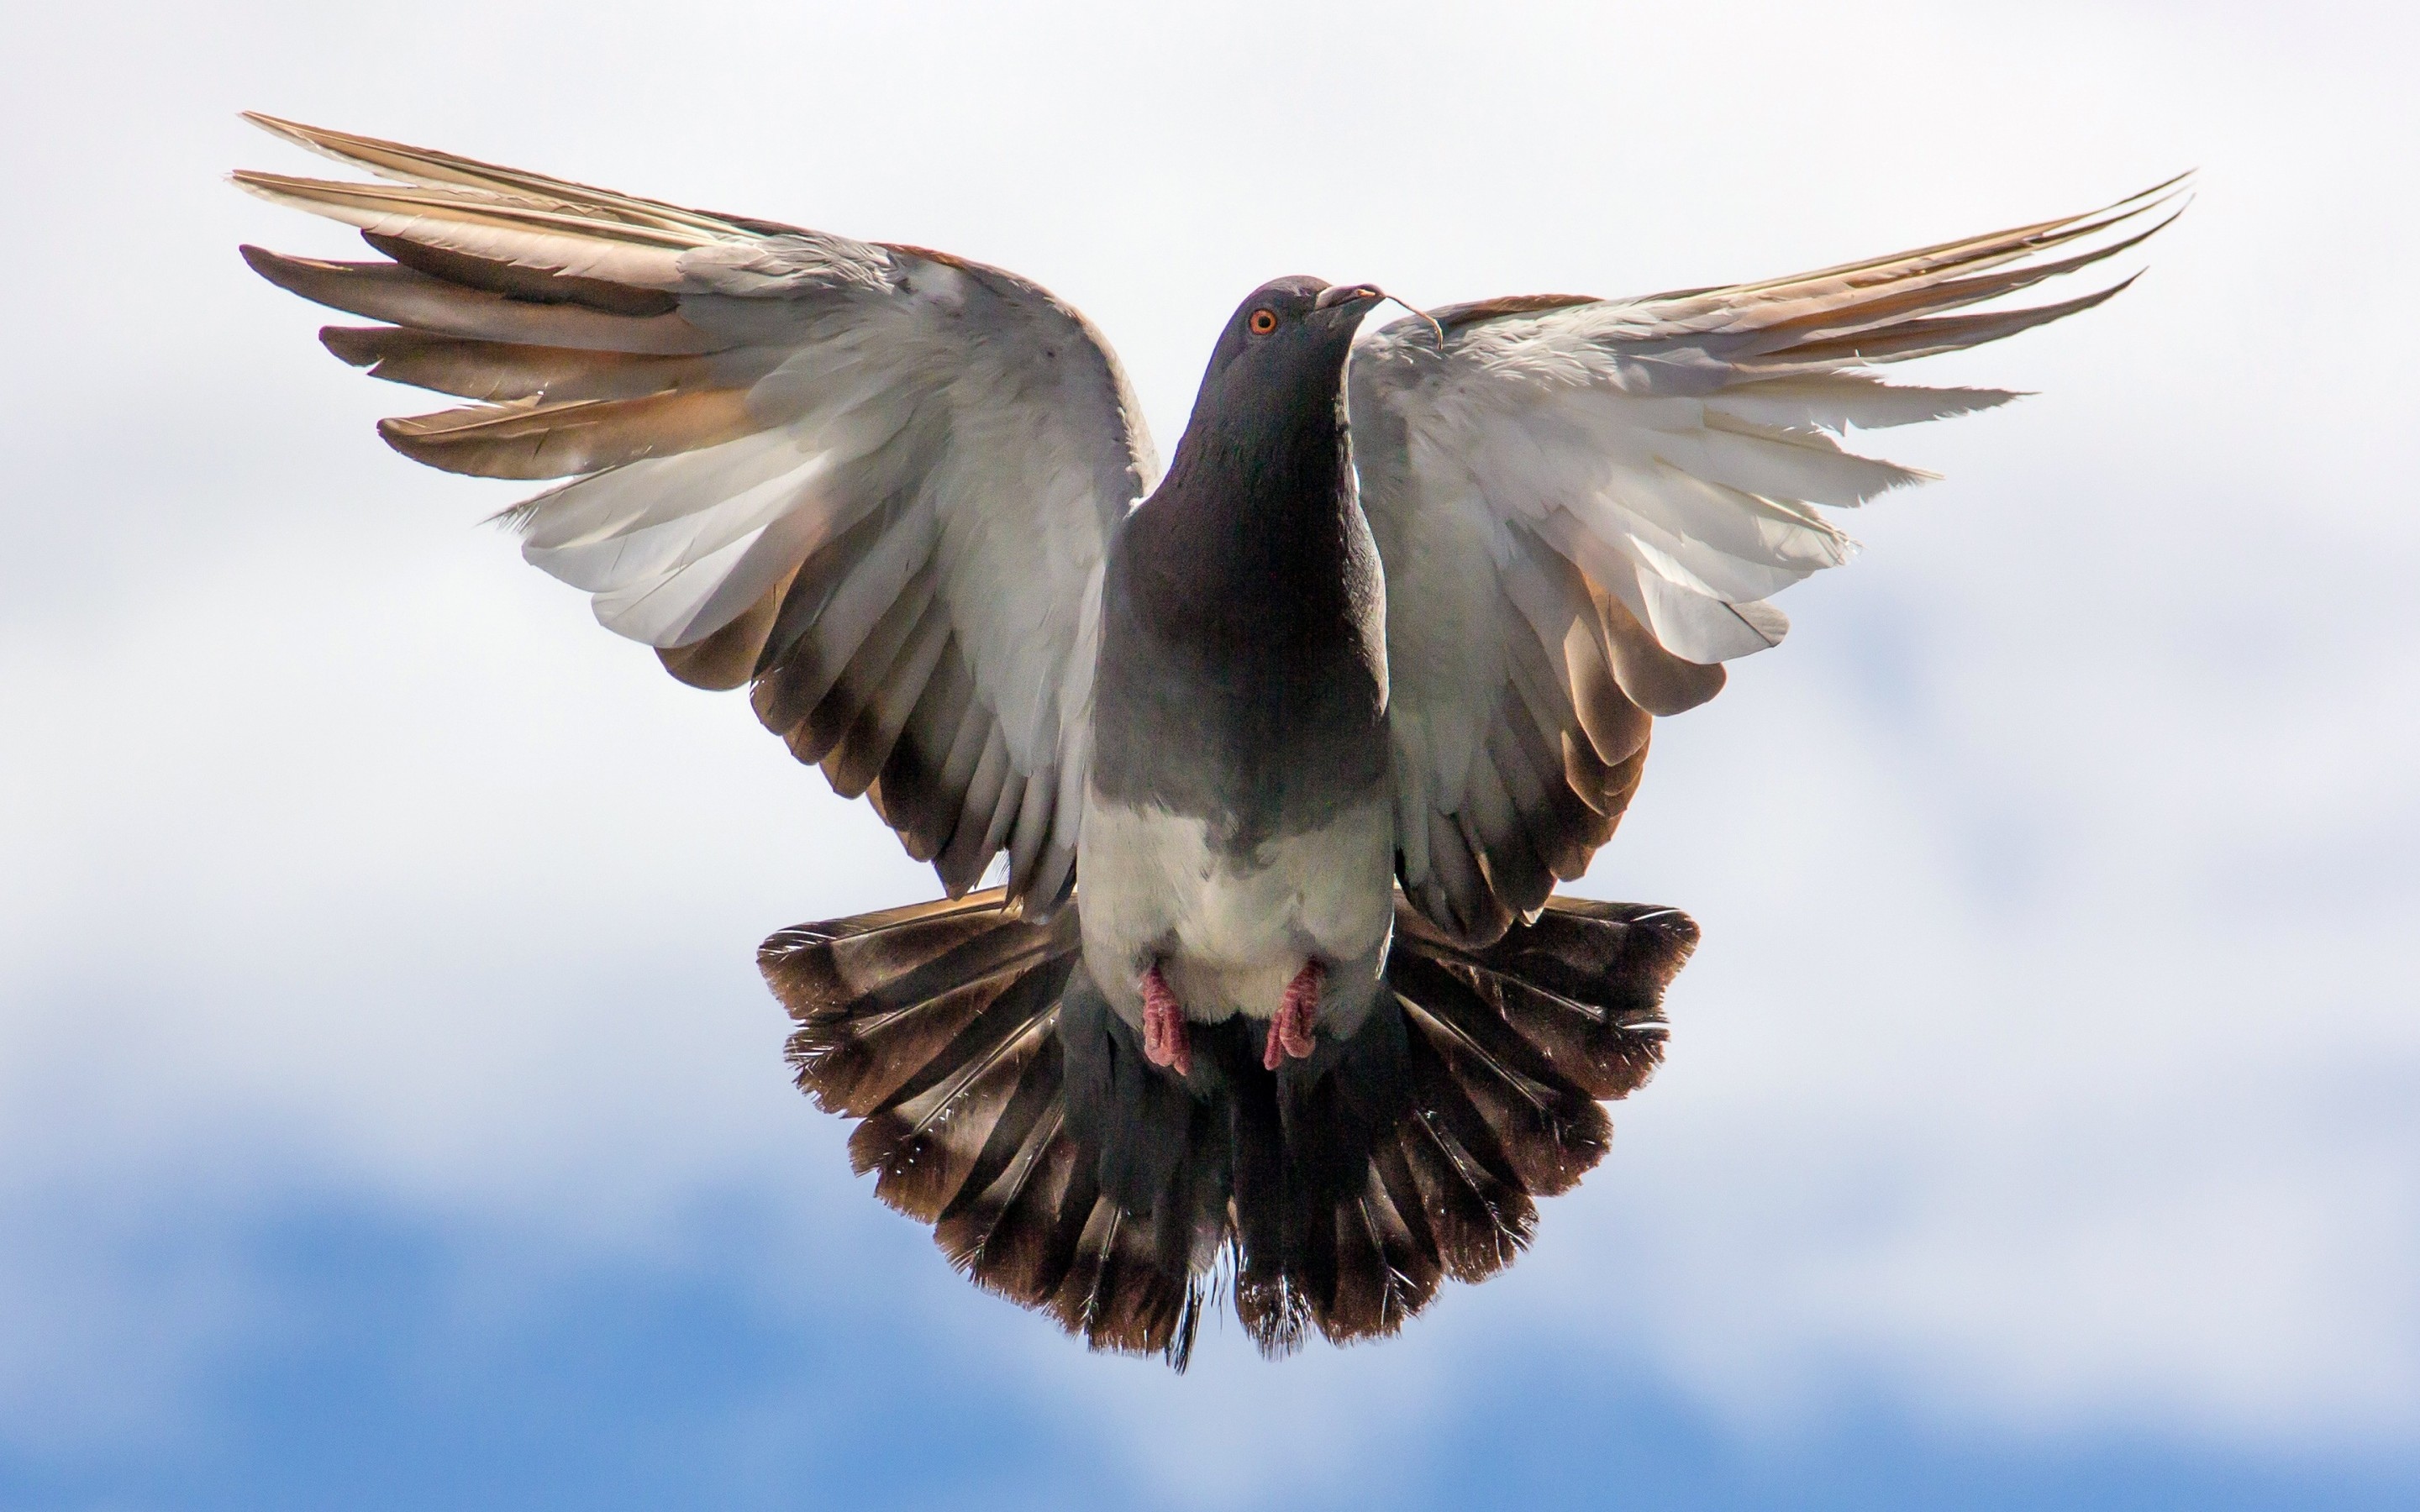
(1238, 826)
(1284, 755)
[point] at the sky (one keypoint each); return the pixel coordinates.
(390, 1115)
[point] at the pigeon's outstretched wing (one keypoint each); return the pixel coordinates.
(875, 481)
(1584, 504)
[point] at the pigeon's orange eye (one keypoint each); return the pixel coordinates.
(1263, 322)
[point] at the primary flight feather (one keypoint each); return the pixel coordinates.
(1286, 751)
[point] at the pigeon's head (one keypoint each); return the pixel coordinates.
(1290, 334)
(1276, 373)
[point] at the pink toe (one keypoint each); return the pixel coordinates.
(1165, 1041)
(1293, 1029)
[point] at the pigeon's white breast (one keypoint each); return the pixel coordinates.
(1230, 932)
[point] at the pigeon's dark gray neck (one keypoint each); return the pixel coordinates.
(1243, 669)
(1254, 532)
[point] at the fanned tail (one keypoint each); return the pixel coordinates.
(1005, 1103)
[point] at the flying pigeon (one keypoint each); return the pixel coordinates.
(1285, 749)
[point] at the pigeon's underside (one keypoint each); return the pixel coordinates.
(1317, 721)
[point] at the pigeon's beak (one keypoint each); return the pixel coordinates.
(1358, 296)
(1350, 300)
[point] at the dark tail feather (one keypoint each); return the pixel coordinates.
(1418, 1151)
(1583, 984)
(1006, 1105)
(937, 1026)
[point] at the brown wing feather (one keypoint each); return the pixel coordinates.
(728, 658)
(499, 372)
(407, 296)
(1560, 758)
(565, 439)
(532, 285)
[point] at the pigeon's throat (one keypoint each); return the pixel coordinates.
(1257, 535)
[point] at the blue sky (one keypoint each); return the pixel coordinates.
(390, 1114)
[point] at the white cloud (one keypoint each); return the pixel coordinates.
(2050, 1056)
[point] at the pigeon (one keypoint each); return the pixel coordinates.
(1277, 758)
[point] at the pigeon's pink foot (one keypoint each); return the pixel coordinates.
(1164, 1039)
(1291, 1030)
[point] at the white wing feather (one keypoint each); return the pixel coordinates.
(943, 447)
(1610, 490)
